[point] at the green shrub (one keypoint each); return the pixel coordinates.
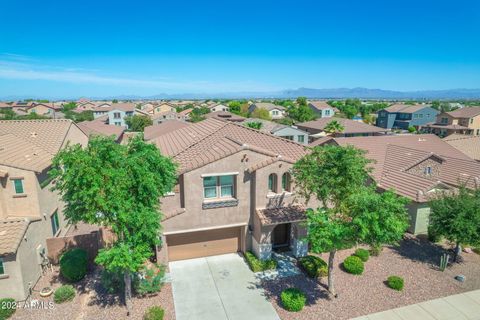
(154, 313)
(353, 265)
(150, 280)
(412, 129)
(314, 266)
(258, 265)
(112, 281)
(395, 282)
(293, 299)
(376, 250)
(362, 254)
(64, 293)
(7, 308)
(433, 236)
(73, 264)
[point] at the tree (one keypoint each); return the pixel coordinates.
(137, 123)
(302, 101)
(234, 107)
(302, 113)
(334, 127)
(116, 186)
(254, 125)
(114, 101)
(456, 216)
(261, 113)
(69, 106)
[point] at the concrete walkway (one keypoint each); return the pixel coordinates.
(464, 306)
(219, 287)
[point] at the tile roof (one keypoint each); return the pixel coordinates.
(225, 115)
(271, 216)
(11, 234)
(269, 106)
(210, 140)
(446, 126)
(467, 112)
(394, 155)
(117, 106)
(405, 108)
(157, 130)
(350, 126)
(99, 127)
(470, 145)
(320, 105)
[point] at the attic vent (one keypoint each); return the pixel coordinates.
(421, 140)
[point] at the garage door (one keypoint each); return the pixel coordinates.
(203, 243)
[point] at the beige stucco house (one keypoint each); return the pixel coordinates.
(234, 192)
(461, 121)
(29, 211)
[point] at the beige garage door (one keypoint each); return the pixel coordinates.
(203, 243)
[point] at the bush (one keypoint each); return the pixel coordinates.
(353, 265)
(375, 250)
(258, 265)
(154, 313)
(73, 264)
(64, 293)
(293, 299)
(314, 266)
(150, 280)
(362, 254)
(433, 236)
(412, 129)
(7, 308)
(395, 282)
(112, 281)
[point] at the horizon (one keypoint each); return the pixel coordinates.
(114, 49)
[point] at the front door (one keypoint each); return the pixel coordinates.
(281, 236)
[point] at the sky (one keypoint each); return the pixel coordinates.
(105, 48)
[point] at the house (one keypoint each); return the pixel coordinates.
(101, 127)
(225, 115)
(463, 121)
(30, 212)
(43, 109)
(321, 109)
(87, 106)
(157, 130)
(470, 145)
(234, 192)
(276, 112)
(117, 112)
(186, 113)
(416, 167)
(167, 116)
(352, 128)
(286, 132)
(161, 108)
(219, 107)
(402, 116)
(22, 105)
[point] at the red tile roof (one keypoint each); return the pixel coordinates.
(157, 130)
(467, 112)
(351, 126)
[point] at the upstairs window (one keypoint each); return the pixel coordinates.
(116, 115)
(275, 112)
(272, 183)
(286, 182)
(18, 186)
(2, 267)
(55, 222)
(427, 171)
(218, 187)
(327, 112)
(301, 138)
(444, 120)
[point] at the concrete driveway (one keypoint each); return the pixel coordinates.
(218, 287)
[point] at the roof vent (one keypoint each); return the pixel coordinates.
(33, 134)
(421, 139)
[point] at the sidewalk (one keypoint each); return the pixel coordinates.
(458, 307)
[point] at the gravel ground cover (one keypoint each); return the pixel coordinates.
(93, 303)
(414, 260)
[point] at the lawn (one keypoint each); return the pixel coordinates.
(414, 260)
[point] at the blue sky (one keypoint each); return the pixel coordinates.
(102, 48)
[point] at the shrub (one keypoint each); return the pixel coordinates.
(353, 265)
(433, 236)
(314, 266)
(293, 299)
(154, 313)
(112, 281)
(64, 293)
(150, 280)
(73, 264)
(395, 282)
(375, 250)
(7, 308)
(412, 129)
(362, 254)
(258, 265)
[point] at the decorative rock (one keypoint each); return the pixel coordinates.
(460, 278)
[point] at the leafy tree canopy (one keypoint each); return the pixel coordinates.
(261, 113)
(137, 123)
(254, 125)
(334, 127)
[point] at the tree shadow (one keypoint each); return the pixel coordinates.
(421, 250)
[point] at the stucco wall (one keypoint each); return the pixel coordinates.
(11, 283)
(419, 213)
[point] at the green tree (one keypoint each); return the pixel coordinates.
(137, 123)
(116, 186)
(456, 216)
(69, 106)
(334, 127)
(235, 107)
(302, 113)
(261, 113)
(254, 125)
(114, 101)
(302, 101)
(349, 111)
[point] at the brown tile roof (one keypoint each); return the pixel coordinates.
(405, 108)
(117, 106)
(446, 126)
(11, 234)
(210, 140)
(320, 105)
(269, 106)
(186, 112)
(467, 112)
(271, 216)
(470, 145)
(320, 141)
(225, 115)
(4, 105)
(157, 130)
(99, 127)
(393, 155)
(350, 126)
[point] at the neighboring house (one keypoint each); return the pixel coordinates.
(276, 112)
(402, 116)
(85, 106)
(29, 211)
(219, 107)
(44, 109)
(235, 193)
(321, 109)
(100, 127)
(161, 108)
(283, 131)
(4, 105)
(22, 105)
(462, 121)
(157, 130)
(225, 115)
(167, 116)
(117, 113)
(416, 167)
(186, 113)
(352, 128)
(470, 145)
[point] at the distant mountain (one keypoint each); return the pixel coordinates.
(335, 93)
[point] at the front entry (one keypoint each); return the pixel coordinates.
(281, 236)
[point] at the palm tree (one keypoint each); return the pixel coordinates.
(333, 127)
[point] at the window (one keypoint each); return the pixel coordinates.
(275, 112)
(55, 223)
(444, 120)
(420, 116)
(327, 112)
(415, 116)
(2, 267)
(288, 137)
(118, 123)
(286, 179)
(272, 183)
(116, 115)
(218, 187)
(18, 185)
(428, 115)
(471, 121)
(301, 138)
(427, 170)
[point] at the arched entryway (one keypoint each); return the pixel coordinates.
(281, 237)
